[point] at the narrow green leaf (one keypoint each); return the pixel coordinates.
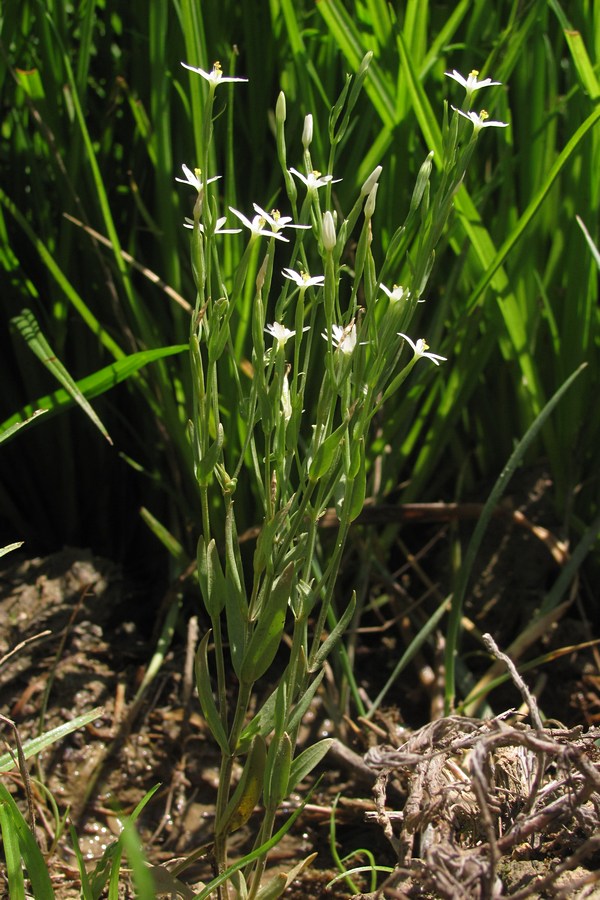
(336, 633)
(583, 65)
(36, 745)
(31, 333)
(259, 852)
(141, 874)
(306, 762)
(266, 637)
(327, 452)
(278, 770)
(168, 540)
(248, 790)
(6, 434)
(490, 504)
(211, 577)
(519, 227)
(33, 859)
(207, 701)
(91, 386)
(12, 853)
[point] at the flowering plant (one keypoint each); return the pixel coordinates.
(298, 468)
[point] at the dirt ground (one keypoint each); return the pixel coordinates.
(491, 802)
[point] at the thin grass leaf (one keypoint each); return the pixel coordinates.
(63, 282)
(516, 232)
(36, 745)
(31, 333)
(91, 386)
(31, 854)
(12, 853)
(410, 652)
(141, 874)
(10, 547)
(86, 885)
(589, 239)
(11, 430)
(475, 542)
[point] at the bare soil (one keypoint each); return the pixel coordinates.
(468, 806)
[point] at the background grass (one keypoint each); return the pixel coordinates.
(98, 116)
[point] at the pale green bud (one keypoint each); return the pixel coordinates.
(329, 238)
(422, 182)
(307, 133)
(280, 108)
(370, 203)
(370, 182)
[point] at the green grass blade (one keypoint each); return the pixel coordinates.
(12, 852)
(494, 264)
(140, 873)
(91, 386)
(86, 886)
(474, 544)
(413, 648)
(31, 854)
(36, 745)
(65, 285)
(32, 334)
(205, 893)
(11, 430)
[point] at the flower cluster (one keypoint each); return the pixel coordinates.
(471, 84)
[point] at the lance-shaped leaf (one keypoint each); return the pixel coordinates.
(277, 775)
(266, 637)
(211, 577)
(327, 452)
(330, 642)
(207, 701)
(248, 791)
(208, 462)
(305, 763)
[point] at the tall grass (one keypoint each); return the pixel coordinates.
(99, 118)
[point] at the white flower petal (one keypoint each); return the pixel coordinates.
(215, 76)
(303, 280)
(420, 350)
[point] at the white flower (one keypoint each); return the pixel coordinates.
(218, 229)
(397, 292)
(420, 349)
(471, 84)
(194, 178)
(480, 121)
(343, 339)
(257, 225)
(276, 220)
(303, 279)
(215, 76)
(314, 179)
(279, 332)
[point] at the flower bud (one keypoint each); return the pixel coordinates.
(329, 238)
(422, 182)
(307, 132)
(370, 203)
(370, 182)
(280, 108)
